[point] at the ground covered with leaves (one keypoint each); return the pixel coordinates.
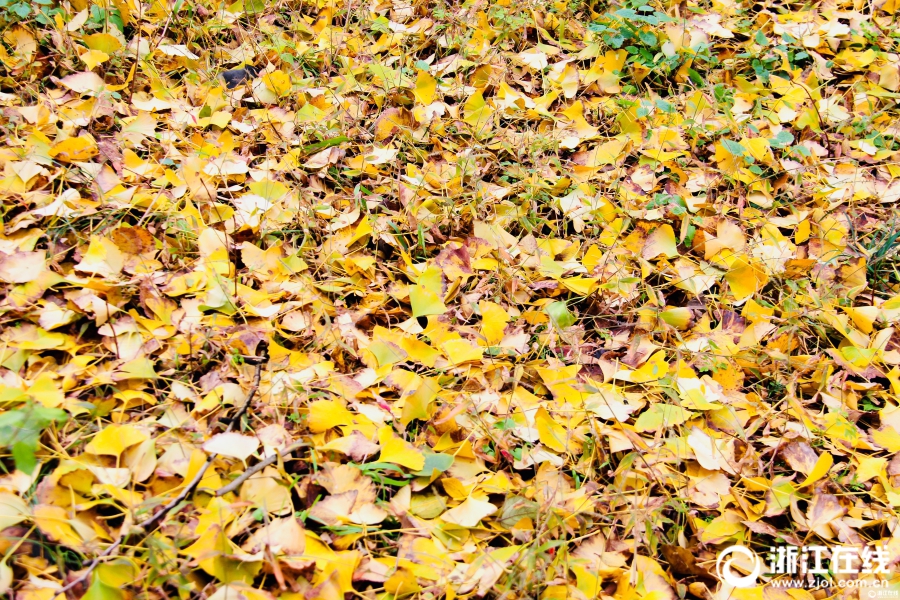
(505, 299)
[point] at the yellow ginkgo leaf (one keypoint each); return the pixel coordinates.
(415, 405)
(551, 433)
(277, 82)
(92, 58)
(729, 376)
(655, 368)
(103, 42)
(478, 113)
(399, 452)
(727, 160)
(869, 467)
(582, 286)
(745, 278)
(113, 439)
(493, 322)
(325, 414)
(425, 302)
(13, 510)
(661, 241)
(469, 513)
(758, 148)
(678, 317)
(426, 87)
(53, 521)
(721, 528)
(71, 149)
(460, 351)
(47, 391)
(103, 257)
(216, 554)
(6, 577)
(863, 317)
(821, 468)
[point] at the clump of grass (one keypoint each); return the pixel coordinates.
(883, 264)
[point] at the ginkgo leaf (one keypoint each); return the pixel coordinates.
(552, 434)
(426, 88)
(133, 240)
(534, 58)
(469, 513)
(103, 257)
(417, 404)
(94, 58)
(103, 42)
(6, 576)
(83, 83)
(425, 302)
(560, 314)
(72, 149)
(661, 241)
(22, 267)
(655, 368)
(54, 522)
(13, 510)
(114, 439)
(609, 403)
(821, 468)
(397, 273)
(745, 278)
(278, 82)
(461, 351)
(399, 452)
(177, 50)
(478, 113)
(704, 448)
(661, 415)
(232, 444)
(325, 414)
(824, 509)
(493, 322)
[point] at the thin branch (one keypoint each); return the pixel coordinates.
(90, 567)
(258, 467)
(147, 526)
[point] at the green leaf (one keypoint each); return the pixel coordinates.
(21, 429)
(734, 148)
(381, 25)
(661, 415)
(435, 462)
(21, 9)
(648, 38)
(695, 77)
(783, 139)
(505, 425)
(312, 148)
(666, 107)
(560, 315)
(23, 456)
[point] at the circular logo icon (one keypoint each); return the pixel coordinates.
(732, 577)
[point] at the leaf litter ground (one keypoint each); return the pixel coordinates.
(495, 299)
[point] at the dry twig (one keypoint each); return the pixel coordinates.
(258, 467)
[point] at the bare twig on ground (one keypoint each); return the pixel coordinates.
(258, 467)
